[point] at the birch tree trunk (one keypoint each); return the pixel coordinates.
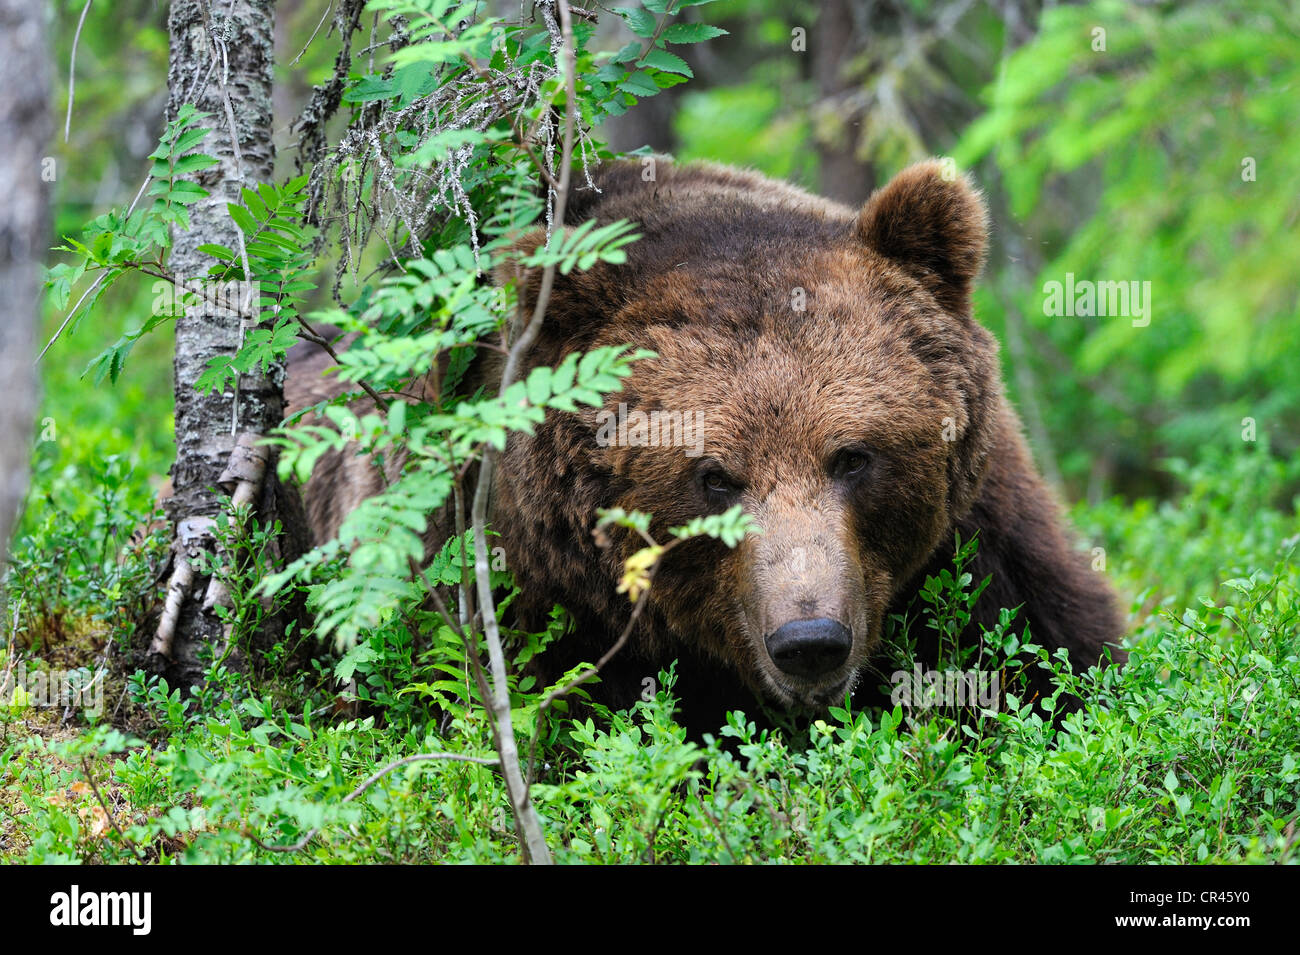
(24, 130)
(221, 60)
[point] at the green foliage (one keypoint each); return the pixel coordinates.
(730, 526)
(380, 539)
(440, 306)
(1186, 755)
(74, 567)
(124, 243)
(246, 553)
(278, 252)
(638, 71)
(746, 125)
(584, 246)
(1202, 210)
(1231, 511)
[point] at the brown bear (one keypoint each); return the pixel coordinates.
(818, 366)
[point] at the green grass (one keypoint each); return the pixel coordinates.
(1188, 754)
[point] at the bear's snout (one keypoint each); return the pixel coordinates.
(810, 648)
(807, 606)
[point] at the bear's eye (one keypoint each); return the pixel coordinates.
(850, 462)
(717, 483)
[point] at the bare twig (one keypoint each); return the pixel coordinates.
(311, 335)
(527, 822)
(328, 7)
(11, 660)
(72, 70)
(306, 332)
(563, 691)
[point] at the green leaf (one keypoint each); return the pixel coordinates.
(640, 83)
(346, 668)
(663, 60)
(665, 80)
(193, 163)
(369, 88)
(639, 21)
(692, 32)
(253, 202)
(188, 140)
(628, 54)
(187, 193)
(217, 251)
(247, 224)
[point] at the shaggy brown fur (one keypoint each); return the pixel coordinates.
(849, 401)
(339, 482)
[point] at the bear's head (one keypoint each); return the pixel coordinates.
(816, 365)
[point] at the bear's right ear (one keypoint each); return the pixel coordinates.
(932, 224)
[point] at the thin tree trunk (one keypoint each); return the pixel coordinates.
(221, 60)
(24, 130)
(843, 175)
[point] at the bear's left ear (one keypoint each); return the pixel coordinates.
(932, 223)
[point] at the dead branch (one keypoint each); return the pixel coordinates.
(242, 480)
(193, 536)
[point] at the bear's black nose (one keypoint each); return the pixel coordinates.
(809, 648)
